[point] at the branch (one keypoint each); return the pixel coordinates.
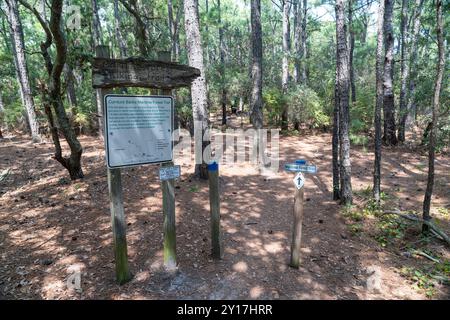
(436, 230)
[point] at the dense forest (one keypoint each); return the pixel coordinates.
(373, 75)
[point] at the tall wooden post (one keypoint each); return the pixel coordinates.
(214, 202)
(118, 222)
(297, 229)
(168, 193)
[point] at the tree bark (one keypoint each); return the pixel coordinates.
(389, 137)
(285, 62)
(411, 106)
(352, 49)
(222, 67)
(198, 88)
(18, 46)
(404, 73)
(54, 34)
(256, 116)
(343, 85)
(117, 24)
(96, 27)
(297, 40)
(305, 70)
(378, 104)
(174, 26)
(436, 104)
(335, 144)
(142, 36)
(2, 110)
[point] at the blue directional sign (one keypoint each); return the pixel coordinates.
(294, 167)
(301, 161)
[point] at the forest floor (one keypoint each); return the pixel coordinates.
(51, 228)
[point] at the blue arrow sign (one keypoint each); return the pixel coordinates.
(294, 167)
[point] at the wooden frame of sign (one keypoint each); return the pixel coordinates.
(138, 72)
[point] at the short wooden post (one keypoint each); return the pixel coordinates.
(119, 226)
(170, 243)
(118, 222)
(297, 229)
(214, 202)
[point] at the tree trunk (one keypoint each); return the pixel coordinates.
(335, 144)
(21, 67)
(55, 68)
(256, 116)
(285, 62)
(404, 73)
(198, 88)
(378, 104)
(2, 110)
(304, 44)
(389, 137)
(96, 27)
(297, 40)
(436, 104)
(222, 67)
(352, 49)
(411, 106)
(142, 35)
(343, 86)
(120, 40)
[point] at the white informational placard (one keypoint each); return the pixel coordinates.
(169, 173)
(138, 130)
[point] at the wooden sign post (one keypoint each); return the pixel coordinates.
(299, 181)
(137, 72)
(214, 202)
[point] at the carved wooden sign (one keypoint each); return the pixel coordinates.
(139, 72)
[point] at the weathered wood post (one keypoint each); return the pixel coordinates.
(118, 222)
(299, 181)
(297, 228)
(214, 203)
(168, 194)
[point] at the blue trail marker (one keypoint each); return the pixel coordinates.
(294, 167)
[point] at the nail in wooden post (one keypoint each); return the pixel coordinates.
(123, 274)
(297, 230)
(214, 202)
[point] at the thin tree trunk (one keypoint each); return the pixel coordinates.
(142, 36)
(96, 27)
(256, 116)
(119, 37)
(335, 144)
(411, 106)
(352, 49)
(378, 104)
(343, 86)
(198, 88)
(390, 136)
(70, 88)
(2, 110)
(305, 71)
(222, 67)
(404, 73)
(21, 66)
(436, 104)
(297, 39)
(285, 62)
(55, 69)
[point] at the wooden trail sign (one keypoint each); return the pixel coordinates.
(139, 72)
(300, 166)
